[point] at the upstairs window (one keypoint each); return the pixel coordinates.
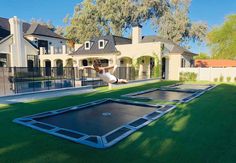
(87, 45)
(101, 44)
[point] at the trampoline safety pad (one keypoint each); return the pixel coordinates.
(98, 124)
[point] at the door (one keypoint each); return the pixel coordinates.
(48, 68)
(163, 68)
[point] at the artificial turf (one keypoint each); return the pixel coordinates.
(200, 131)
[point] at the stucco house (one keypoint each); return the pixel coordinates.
(31, 45)
(143, 52)
(21, 42)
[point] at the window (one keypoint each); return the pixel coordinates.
(85, 62)
(183, 62)
(101, 44)
(104, 62)
(87, 45)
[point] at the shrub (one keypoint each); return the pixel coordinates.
(187, 76)
(221, 78)
(228, 79)
(215, 79)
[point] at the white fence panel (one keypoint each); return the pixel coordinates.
(209, 74)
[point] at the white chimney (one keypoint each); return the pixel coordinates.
(136, 34)
(18, 50)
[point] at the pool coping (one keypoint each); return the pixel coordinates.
(189, 98)
(83, 138)
(48, 91)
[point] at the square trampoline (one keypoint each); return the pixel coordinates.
(99, 124)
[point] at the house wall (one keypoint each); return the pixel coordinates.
(188, 59)
(56, 42)
(5, 47)
(174, 63)
(53, 59)
(135, 51)
(209, 74)
(111, 57)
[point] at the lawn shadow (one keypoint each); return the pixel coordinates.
(198, 132)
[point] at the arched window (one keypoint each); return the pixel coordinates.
(84, 62)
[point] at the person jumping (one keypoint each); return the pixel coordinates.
(104, 74)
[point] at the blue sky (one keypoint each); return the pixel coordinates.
(211, 11)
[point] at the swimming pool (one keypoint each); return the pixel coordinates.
(32, 86)
(98, 124)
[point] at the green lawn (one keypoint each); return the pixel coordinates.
(200, 131)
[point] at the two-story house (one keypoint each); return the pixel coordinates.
(29, 45)
(142, 52)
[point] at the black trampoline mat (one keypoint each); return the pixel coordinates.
(191, 87)
(164, 95)
(98, 120)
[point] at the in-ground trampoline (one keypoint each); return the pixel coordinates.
(173, 93)
(189, 87)
(99, 124)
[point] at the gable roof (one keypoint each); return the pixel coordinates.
(110, 42)
(175, 49)
(42, 30)
(28, 29)
(5, 39)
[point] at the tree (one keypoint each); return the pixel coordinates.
(222, 39)
(202, 56)
(44, 23)
(121, 15)
(99, 17)
(176, 25)
(60, 30)
(84, 24)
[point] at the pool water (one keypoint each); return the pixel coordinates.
(31, 86)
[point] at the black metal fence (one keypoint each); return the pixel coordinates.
(15, 80)
(90, 77)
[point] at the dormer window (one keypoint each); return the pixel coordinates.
(101, 44)
(87, 45)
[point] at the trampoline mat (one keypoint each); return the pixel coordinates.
(164, 95)
(191, 87)
(99, 119)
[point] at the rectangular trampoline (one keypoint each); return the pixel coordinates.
(189, 87)
(163, 95)
(180, 93)
(99, 124)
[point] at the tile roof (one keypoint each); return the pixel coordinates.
(175, 49)
(109, 46)
(214, 63)
(112, 41)
(28, 29)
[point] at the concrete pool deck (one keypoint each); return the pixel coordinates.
(28, 97)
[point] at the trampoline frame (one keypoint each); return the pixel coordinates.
(83, 138)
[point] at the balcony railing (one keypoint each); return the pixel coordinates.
(56, 50)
